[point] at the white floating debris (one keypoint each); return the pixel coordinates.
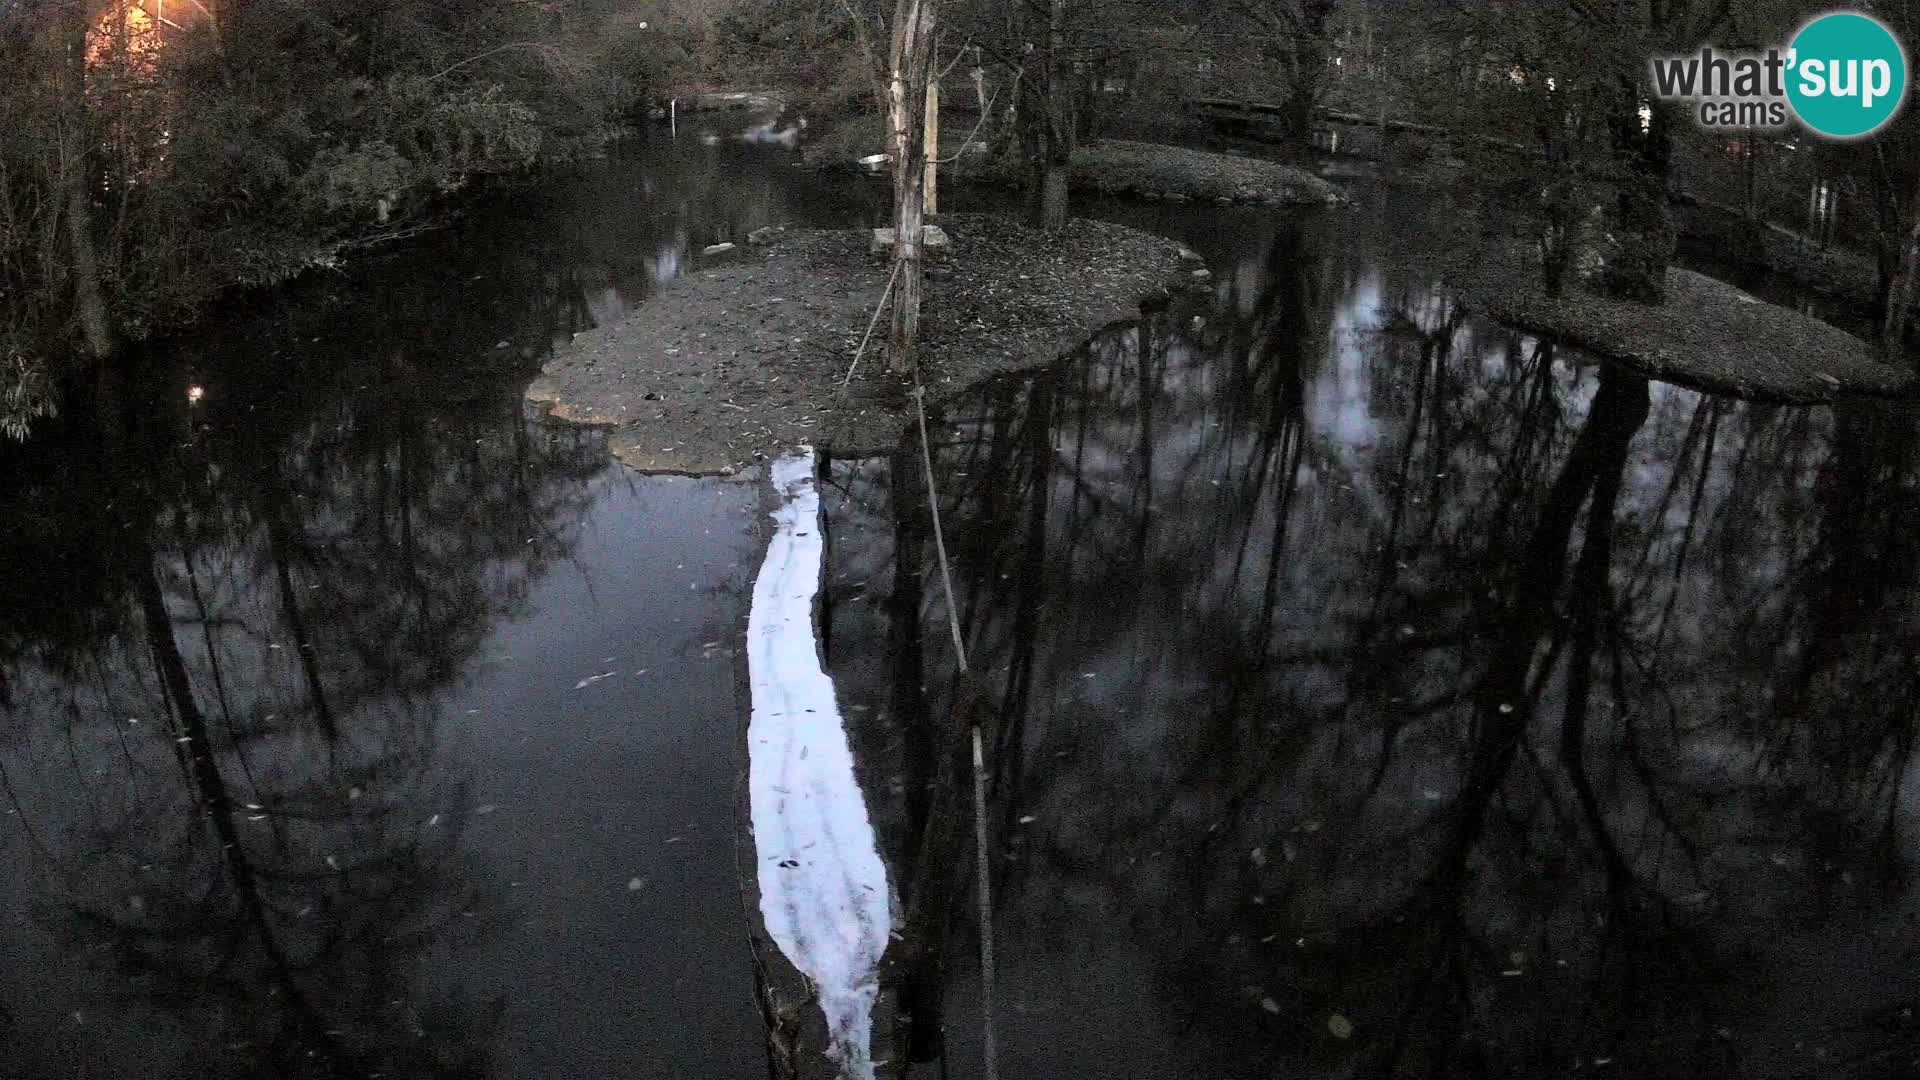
(1340, 1026)
(636, 884)
(828, 914)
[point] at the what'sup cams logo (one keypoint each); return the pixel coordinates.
(1844, 76)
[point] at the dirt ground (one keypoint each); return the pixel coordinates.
(745, 355)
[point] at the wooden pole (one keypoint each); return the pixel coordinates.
(933, 146)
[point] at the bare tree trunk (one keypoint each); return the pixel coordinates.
(1644, 219)
(1057, 126)
(932, 155)
(910, 61)
(89, 301)
(1899, 302)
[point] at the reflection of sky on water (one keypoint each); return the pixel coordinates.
(1283, 555)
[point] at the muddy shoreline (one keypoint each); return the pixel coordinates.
(1709, 335)
(747, 354)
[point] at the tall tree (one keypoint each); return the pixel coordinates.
(1297, 33)
(76, 169)
(910, 64)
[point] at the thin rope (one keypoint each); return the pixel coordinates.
(871, 323)
(983, 880)
(985, 885)
(939, 537)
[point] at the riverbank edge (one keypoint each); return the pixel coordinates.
(1154, 171)
(749, 353)
(1709, 335)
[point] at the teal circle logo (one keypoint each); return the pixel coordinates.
(1846, 75)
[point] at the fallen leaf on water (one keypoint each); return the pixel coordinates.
(1340, 1026)
(1270, 1005)
(1027, 819)
(636, 884)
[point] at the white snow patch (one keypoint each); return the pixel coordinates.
(823, 888)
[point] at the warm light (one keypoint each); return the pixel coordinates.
(139, 38)
(195, 393)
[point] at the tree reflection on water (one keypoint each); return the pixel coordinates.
(1387, 693)
(222, 732)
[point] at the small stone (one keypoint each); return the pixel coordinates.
(932, 238)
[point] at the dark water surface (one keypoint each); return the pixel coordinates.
(1383, 693)
(467, 691)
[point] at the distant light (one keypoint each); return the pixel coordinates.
(195, 393)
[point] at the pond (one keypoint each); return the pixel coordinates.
(1377, 692)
